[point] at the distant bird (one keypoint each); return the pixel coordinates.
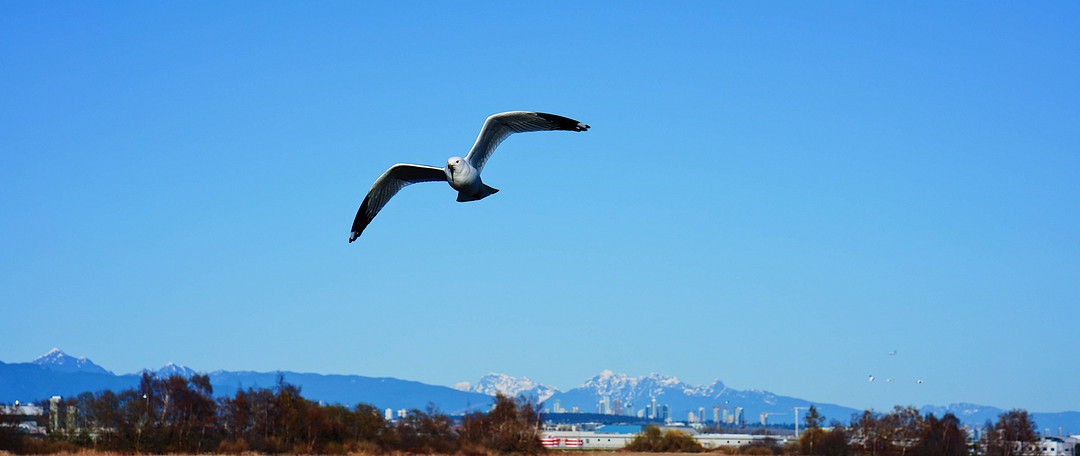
(892, 352)
(888, 380)
(871, 378)
(918, 381)
(463, 174)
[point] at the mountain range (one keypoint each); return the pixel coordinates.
(493, 383)
(637, 392)
(58, 374)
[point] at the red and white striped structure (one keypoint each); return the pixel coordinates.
(550, 442)
(573, 443)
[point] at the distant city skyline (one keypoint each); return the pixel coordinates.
(775, 195)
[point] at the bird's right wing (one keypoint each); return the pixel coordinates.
(499, 126)
(386, 186)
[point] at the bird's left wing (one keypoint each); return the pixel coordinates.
(499, 126)
(386, 186)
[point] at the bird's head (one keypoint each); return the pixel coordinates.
(453, 163)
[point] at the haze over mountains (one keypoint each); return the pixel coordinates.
(57, 373)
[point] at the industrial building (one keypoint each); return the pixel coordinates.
(615, 437)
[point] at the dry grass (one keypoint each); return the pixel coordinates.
(550, 453)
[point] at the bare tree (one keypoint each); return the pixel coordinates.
(512, 426)
(942, 437)
(1013, 434)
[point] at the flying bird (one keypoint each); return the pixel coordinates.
(463, 174)
(871, 378)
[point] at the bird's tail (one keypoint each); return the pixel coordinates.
(484, 191)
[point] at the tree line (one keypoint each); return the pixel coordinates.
(904, 432)
(180, 415)
(901, 432)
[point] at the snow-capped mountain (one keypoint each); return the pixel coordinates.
(608, 383)
(171, 369)
(493, 383)
(627, 395)
(58, 361)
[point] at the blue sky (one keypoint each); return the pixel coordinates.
(775, 195)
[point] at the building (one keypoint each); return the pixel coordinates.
(54, 412)
(22, 409)
(736, 440)
(655, 411)
(23, 417)
(586, 440)
(733, 416)
(1058, 446)
(615, 437)
(604, 407)
(651, 409)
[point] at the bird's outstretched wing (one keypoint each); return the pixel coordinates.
(499, 126)
(394, 179)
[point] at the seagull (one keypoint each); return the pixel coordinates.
(918, 381)
(463, 174)
(892, 352)
(871, 378)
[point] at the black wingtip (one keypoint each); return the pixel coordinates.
(360, 222)
(563, 123)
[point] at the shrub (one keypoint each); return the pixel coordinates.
(652, 439)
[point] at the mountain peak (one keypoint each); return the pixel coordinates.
(58, 361)
(607, 378)
(172, 369)
(494, 383)
(664, 379)
(607, 382)
(623, 386)
(51, 356)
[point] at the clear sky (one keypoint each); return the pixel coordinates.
(773, 194)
